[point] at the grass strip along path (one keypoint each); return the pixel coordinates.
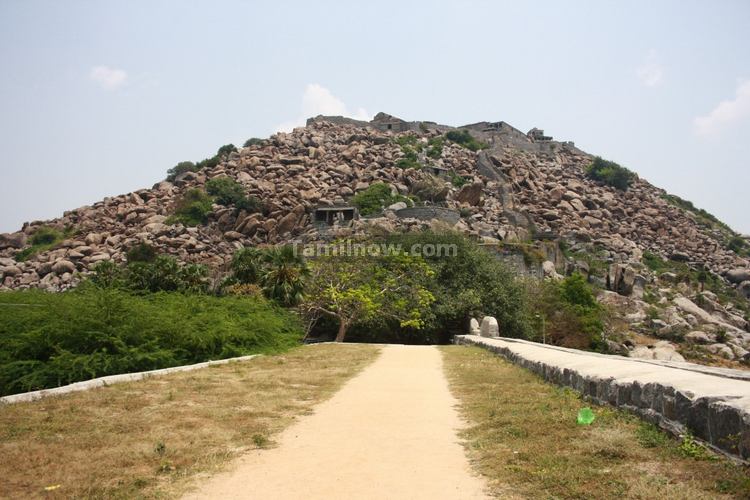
(524, 438)
(148, 438)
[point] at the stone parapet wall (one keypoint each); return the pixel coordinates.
(711, 403)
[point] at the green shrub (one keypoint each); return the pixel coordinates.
(247, 266)
(253, 141)
(650, 436)
(43, 239)
(690, 448)
(610, 173)
(465, 139)
(46, 236)
(228, 192)
(457, 180)
(577, 292)
(410, 148)
(52, 339)
(435, 147)
(375, 198)
(208, 163)
(409, 160)
(181, 168)
(572, 317)
(226, 150)
(407, 140)
(166, 274)
(142, 252)
(279, 271)
(107, 274)
(654, 262)
(162, 274)
(189, 166)
(192, 209)
(738, 245)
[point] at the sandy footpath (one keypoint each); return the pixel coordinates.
(389, 433)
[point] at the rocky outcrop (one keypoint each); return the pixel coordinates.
(518, 190)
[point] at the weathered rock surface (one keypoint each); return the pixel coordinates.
(489, 327)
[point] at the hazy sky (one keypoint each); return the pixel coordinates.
(99, 98)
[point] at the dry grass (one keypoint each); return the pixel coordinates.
(147, 438)
(524, 438)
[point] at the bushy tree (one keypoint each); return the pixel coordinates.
(572, 317)
(253, 141)
(247, 266)
(142, 252)
(738, 245)
(469, 281)
(355, 290)
(279, 272)
(283, 277)
(610, 173)
(163, 274)
(226, 150)
(181, 168)
(192, 209)
(227, 191)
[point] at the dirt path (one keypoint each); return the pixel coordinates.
(389, 433)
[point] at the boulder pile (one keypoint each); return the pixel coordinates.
(516, 190)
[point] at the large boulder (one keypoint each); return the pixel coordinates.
(470, 194)
(666, 352)
(621, 279)
(662, 350)
(155, 228)
(12, 240)
(691, 307)
(474, 327)
(94, 239)
(63, 266)
(290, 220)
(489, 327)
(9, 271)
(738, 275)
(548, 267)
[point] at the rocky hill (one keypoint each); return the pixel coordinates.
(522, 194)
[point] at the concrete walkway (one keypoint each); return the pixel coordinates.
(388, 433)
(713, 403)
